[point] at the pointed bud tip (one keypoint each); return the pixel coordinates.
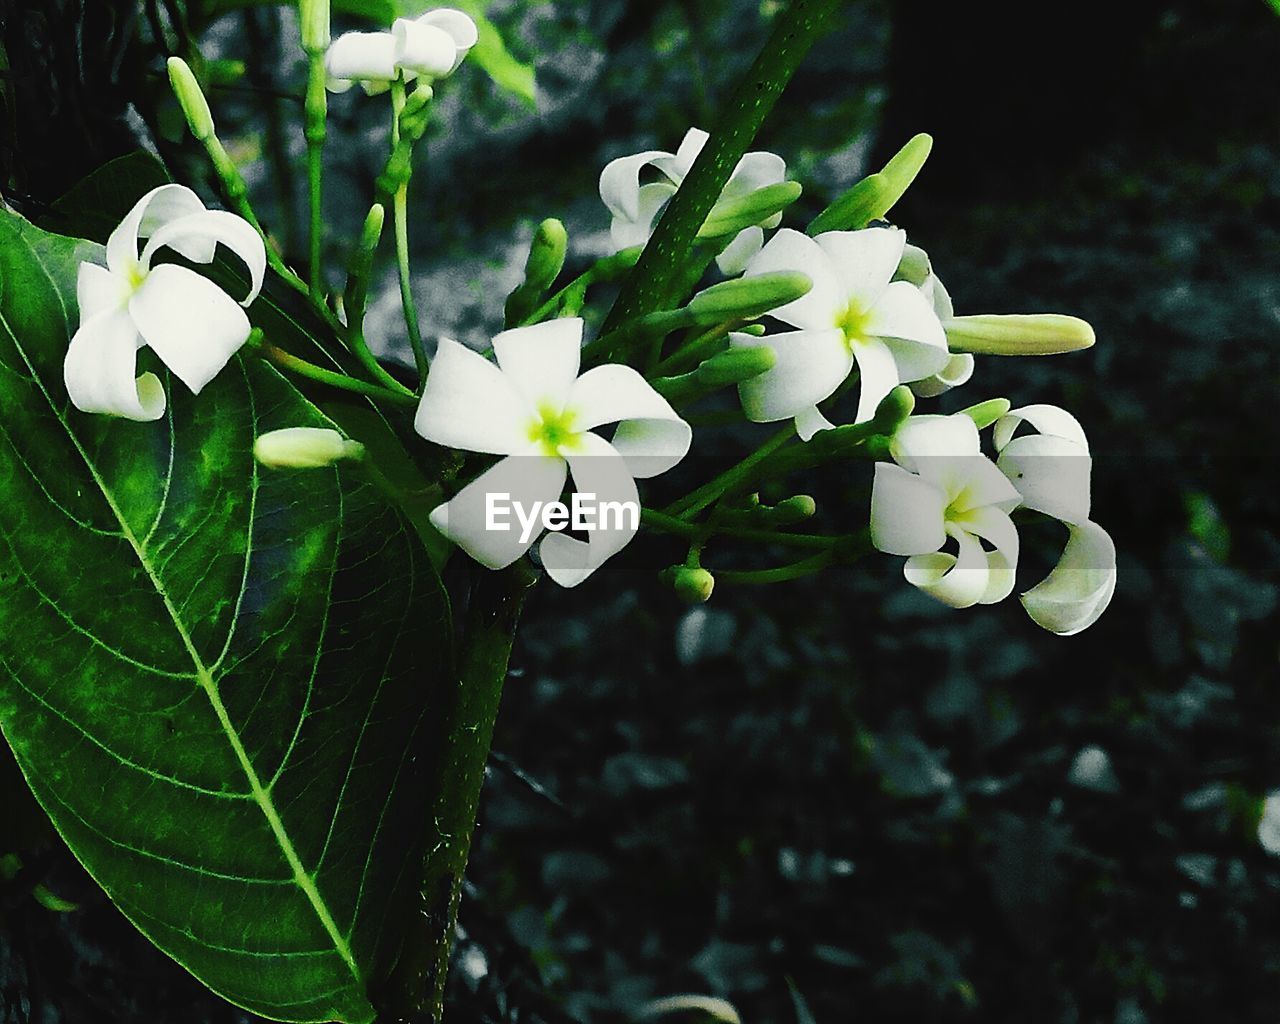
(304, 448)
(191, 98)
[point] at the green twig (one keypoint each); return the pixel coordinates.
(735, 476)
(288, 361)
(400, 219)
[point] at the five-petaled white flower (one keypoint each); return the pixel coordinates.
(187, 320)
(855, 313)
(635, 207)
(1051, 470)
(534, 408)
(944, 487)
(430, 46)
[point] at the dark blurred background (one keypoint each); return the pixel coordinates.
(832, 787)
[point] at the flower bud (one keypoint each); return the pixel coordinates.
(729, 216)
(735, 365)
(747, 297)
(693, 586)
(191, 99)
(893, 410)
(304, 448)
(314, 18)
(986, 413)
(792, 510)
(874, 196)
(1032, 334)
(546, 260)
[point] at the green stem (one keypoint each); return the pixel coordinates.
(360, 348)
(417, 989)
(400, 219)
(682, 528)
(288, 361)
(733, 477)
(317, 106)
(647, 287)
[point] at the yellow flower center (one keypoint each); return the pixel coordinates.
(553, 429)
(136, 275)
(853, 322)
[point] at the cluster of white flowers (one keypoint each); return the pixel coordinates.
(874, 306)
(430, 46)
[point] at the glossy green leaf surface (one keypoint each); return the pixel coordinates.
(213, 675)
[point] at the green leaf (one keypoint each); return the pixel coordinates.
(213, 676)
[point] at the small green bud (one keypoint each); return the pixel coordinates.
(371, 233)
(735, 365)
(314, 17)
(543, 266)
(221, 71)
(893, 411)
(755, 330)
(874, 196)
(693, 586)
(793, 509)
(1031, 334)
(747, 297)
(730, 216)
(304, 448)
(984, 414)
(191, 99)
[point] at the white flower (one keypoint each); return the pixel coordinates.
(917, 268)
(534, 408)
(430, 46)
(855, 313)
(187, 320)
(944, 488)
(1051, 470)
(635, 207)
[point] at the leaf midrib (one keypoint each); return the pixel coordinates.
(261, 794)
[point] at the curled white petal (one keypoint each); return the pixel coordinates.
(651, 201)
(1073, 596)
(100, 366)
(497, 541)
(904, 320)
(755, 170)
(469, 403)
(878, 374)
(601, 471)
(360, 57)
(738, 253)
(809, 421)
(651, 437)
(958, 580)
(542, 361)
(189, 322)
(153, 211)
(620, 183)
(196, 236)
(1047, 419)
(810, 365)
(993, 525)
(907, 512)
(1051, 473)
(423, 49)
(458, 24)
(959, 370)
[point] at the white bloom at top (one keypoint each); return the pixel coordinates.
(1051, 470)
(635, 207)
(430, 46)
(855, 313)
(187, 320)
(534, 408)
(941, 489)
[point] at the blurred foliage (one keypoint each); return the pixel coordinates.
(905, 812)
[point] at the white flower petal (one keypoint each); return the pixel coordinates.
(100, 366)
(864, 261)
(972, 482)
(598, 470)
(810, 366)
(620, 183)
(1077, 592)
(189, 322)
(686, 153)
(959, 370)
(651, 437)
(469, 403)
(755, 171)
(362, 57)
(809, 421)
(542, 361)
(904, 319)
(524, 479)
(939, 298)
(423, 48)
(907, 512)
(959, 581)
(738, 253)
(1051, 473)
(652, 201)
(877, 375)
(789, 250)
(98, 290)
(995, 526)
(461, 28)
(923, 437)
(1047, 419)
(197, 235)
(149, 214)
